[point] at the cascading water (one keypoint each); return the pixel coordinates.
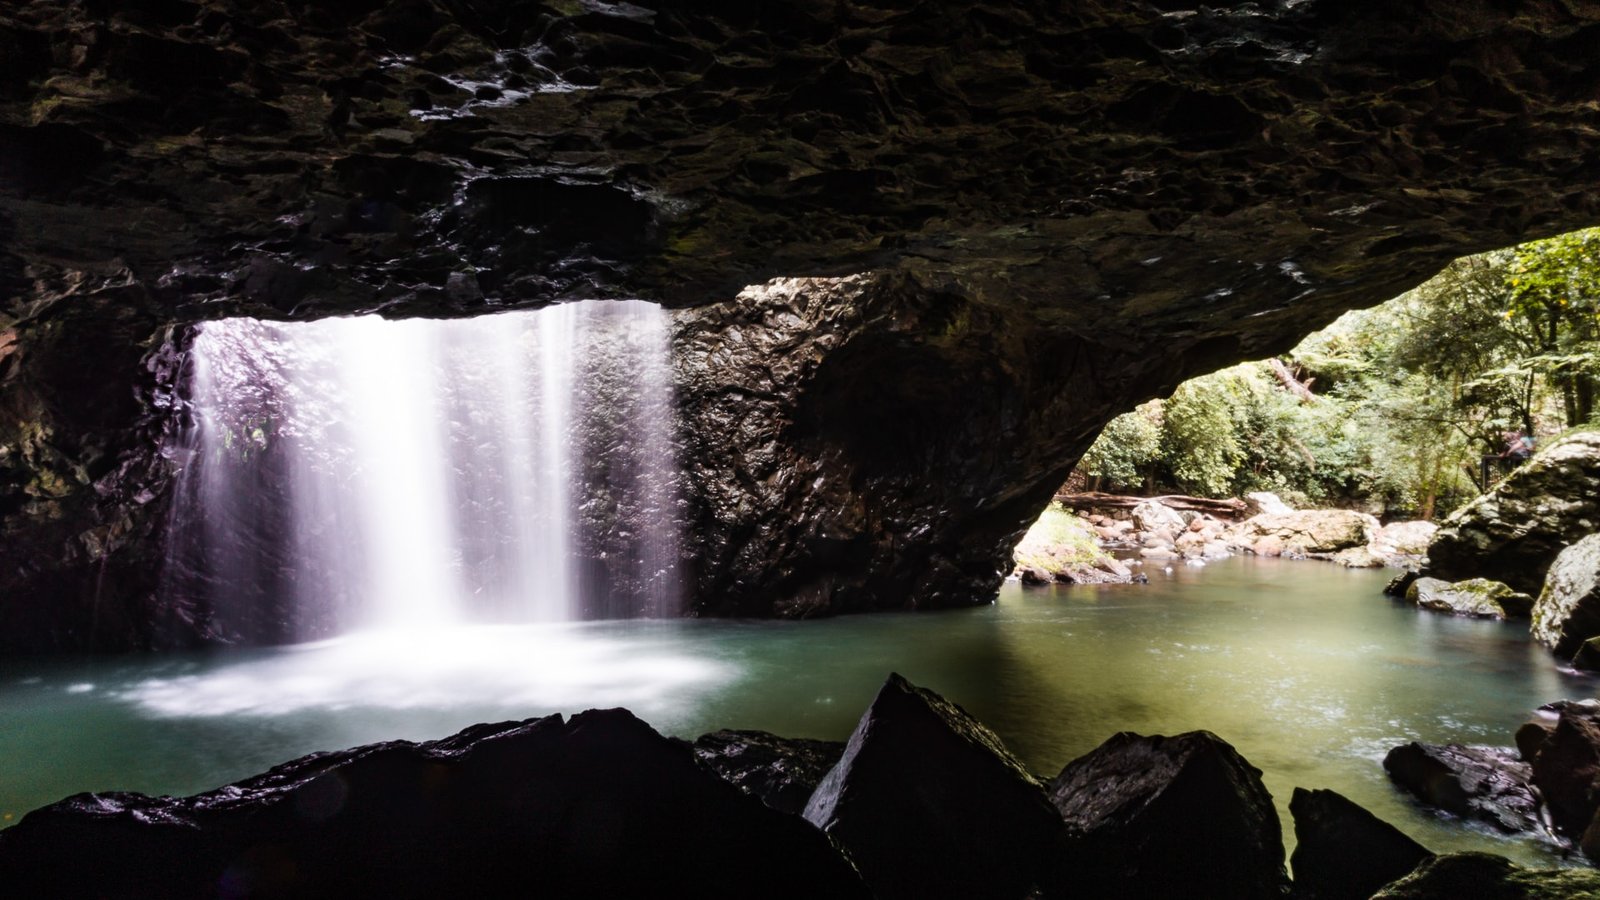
(360, 472)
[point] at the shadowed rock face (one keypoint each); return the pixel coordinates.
(1157, 188)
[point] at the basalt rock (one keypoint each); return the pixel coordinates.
(1483, 876)
(782, 772)
(1344, 852)
(1566, 770)
(1181, 816)
(1488, 784)
(1065, 208)
(1515, 531)
(1567, 614)
(598, 806)
(929, 803)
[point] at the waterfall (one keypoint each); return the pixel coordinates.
(360, 472)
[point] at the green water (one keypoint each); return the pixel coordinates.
(1304, 666)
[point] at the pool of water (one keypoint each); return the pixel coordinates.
(1304, 666)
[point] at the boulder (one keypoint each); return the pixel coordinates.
(1532, 734)
(1405, 539)
(929, 803)
(1566, 770)
(1401, 583)
(1259, 502)
(1153, 515)
(1568, 610)
(1344, 852)
(780, 772)
(1488, 784)
(1482, 876)
(1514, 532)
(1320, 531)
(598, 806)
(1181, 816)
(1360, 558)
(1476, 597)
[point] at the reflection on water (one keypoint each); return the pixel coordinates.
(1303, 666)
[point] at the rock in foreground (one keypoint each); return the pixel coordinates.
(1488, 784)
(782, 772)
(1567, 614)
(1481, 876)
(1182, 816)
(598, 806)
(1344, 852)
(929, 803)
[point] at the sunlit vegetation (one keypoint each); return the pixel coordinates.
(1391, 407)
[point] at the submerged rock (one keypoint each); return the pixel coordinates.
(1488, 784)
(1514, 532)
(929, 803)
(1567, 614)
(598, 806)
(782, 772)
(1181, 816)
(1344, 852)
(1475, 597)
(1482, 876)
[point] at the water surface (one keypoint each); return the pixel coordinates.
(1304, 666)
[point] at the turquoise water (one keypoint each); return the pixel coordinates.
(1304, 666)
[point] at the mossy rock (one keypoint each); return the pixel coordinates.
(1483, 876)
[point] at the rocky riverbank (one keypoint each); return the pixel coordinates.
(921, 801)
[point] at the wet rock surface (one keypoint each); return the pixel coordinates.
(1090, 181)
(1165, 816)
(1487, 784)
(1567, 614)
(781, 772)
(1344, 852)
(1566, 770)
(1515, 531)
(1478, 598)
(929, 803)
(596, 806)
(1483, 876)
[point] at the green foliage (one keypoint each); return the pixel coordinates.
(1128, 449)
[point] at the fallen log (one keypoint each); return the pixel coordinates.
(1230, 508)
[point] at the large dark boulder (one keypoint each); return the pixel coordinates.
(1488, 784)
(782, 772)
(1181, 816)
(1344, 852)
(1482, 876)
(1566, 770)
(1567, 614)
(929, 803)
(1515, 531)
(599, 806)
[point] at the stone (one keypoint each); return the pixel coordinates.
(929, 802)
(1514, 532)
(1487, 784)
(1400, 584)
(1268, 546)
(1158, 553)
(1475, 597)
(1155, 516)
(1567, 613)
(1036, 575)
(1566, 770)
(1344, 852)
(1319, 531)
(1180, 816)
(1359, 558)
(597, 806)
(780, 772)
(1531, 735)
(1405, 539)
(1258, 502)
(1482, 876)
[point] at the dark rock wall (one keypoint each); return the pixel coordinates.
(1149, 190)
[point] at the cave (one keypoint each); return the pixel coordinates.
(912, 256)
